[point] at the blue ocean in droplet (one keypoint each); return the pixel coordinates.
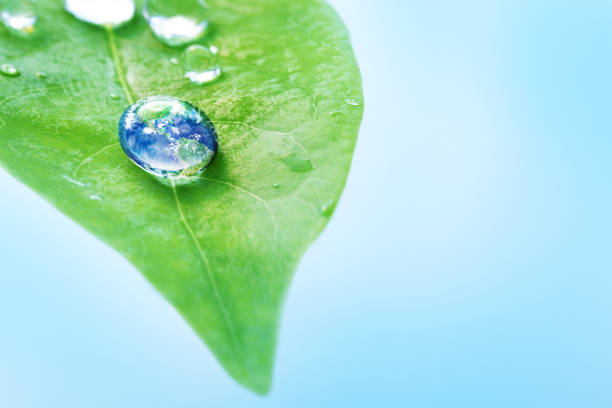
(168, 137)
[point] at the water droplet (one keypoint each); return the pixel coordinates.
(9, 70)
(335, 113)
(111, 13)
(201, 65)
(18, 16)
(297, 163)
(352, 102)
(114, 96)
(328, 208)
(176, 22)
(168, 137)
(95, 197)
(214, 49)
(41, 75)
(174, 61)
(276, 185)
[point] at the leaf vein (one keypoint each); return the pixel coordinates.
(210, 275)
(252, 195)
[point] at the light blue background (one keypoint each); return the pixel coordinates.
(468, 263)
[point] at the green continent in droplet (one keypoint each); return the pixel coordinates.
(192, 152)
(152, 111)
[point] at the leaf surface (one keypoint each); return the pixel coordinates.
(221, 250)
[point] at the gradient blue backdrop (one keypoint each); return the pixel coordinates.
(468, 263)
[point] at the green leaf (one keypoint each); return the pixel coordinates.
(221, 250)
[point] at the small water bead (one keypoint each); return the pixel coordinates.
(174, 61)
(176, 22)
(201, 66)
(41, 75)
(352, 102)
(9, 70)
(168, 137)
(276, 186)
(298, 164)
(112, 13)
(18, 16)
(328, 208)
(214, 49)
(114, 96)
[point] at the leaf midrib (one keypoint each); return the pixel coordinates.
(114, 50)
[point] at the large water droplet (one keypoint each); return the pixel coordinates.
(18, 16)
(111, 13)
(176, 22)
(168, 137)
(201, 65)
(9, 70)
(297, 163)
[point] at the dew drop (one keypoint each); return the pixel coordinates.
(114, 96)
(41, 75)
(297, 163)
(352, 102)
(176, 22)
(276, 186)
(168, 137)
(328, 208)
(174, 61)
(112, 13)
(201, 66)
(214, 49)
(9, 70)
(18, 16)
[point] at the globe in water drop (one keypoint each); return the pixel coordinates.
(18, 16)
(201, 66)
(176, 22)
(168, 137)
(107, 13)
(9, 70)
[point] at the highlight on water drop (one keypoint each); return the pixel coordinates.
(9, 70)
(106, 13)
(201, 66)
(176, 22)
(168, 137)
(18, 16)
